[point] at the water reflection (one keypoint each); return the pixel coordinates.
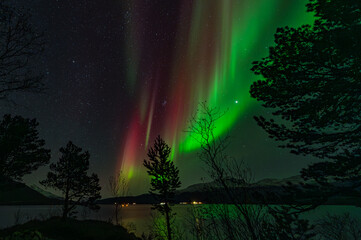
(139, 218)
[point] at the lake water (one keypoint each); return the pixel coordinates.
(137, 218)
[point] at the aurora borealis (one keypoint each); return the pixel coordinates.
(121, 72)
(204, 53)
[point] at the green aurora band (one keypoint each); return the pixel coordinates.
(214, 44)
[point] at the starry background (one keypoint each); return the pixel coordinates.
(120, 72)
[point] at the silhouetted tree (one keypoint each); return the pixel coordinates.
(339, 227)
(118, 186)
(164, 179)
(311, 84)
(284, 225)
(21, 149)
(238, 220)
(230, 174)
(20, 45)
(70, 176)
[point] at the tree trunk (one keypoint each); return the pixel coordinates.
(116, 213)
(66, 207)
(66, 201)
(167, 210)
(236, 204)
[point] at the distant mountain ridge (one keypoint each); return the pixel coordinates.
(280, 182)
(270, 191)
(16, 193)
(261, 183)
(45, 193)
(204, 191)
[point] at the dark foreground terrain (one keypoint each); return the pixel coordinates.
(71, 229)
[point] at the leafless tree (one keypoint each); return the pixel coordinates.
(229, 174)
(20, 45)
(242, 219)
(339, 227)
(118, 186)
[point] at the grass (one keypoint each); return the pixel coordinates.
(71, 229)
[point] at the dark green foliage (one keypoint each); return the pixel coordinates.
(164, 178)
(284, 225)
(20, 46)
(70, 176)
(57, 229)
(21, 149)
(163, 173)
(311, 83)
(25, 235)
(339, 227)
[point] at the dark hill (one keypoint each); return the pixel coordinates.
(16, 193)
(45, 193)
(71, 229)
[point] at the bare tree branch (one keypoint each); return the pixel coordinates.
(20, 47)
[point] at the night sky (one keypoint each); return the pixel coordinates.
(121, 72)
